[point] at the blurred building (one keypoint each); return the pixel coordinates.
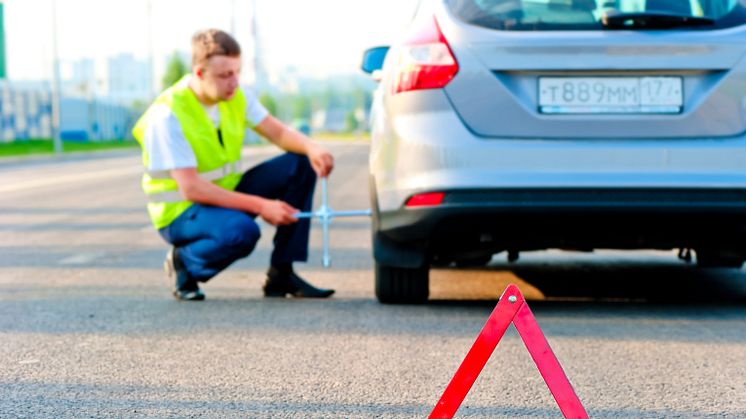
(82, 80)
(26, 113)
(127, 79)
(329, 120)
(122, 79)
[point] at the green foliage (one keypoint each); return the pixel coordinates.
(302, 108)
(306, 105)
(139, 106)
(31, 147)
(351, 122)
(175, 70)
(362, 98)
(330, 98)
(269, 102)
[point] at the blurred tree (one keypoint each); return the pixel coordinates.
(139, 106)
(351, 122)
(269, 102)
(363, 98)
(302, 107)
(175, 70)
(330, 99)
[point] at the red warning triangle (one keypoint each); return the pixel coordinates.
(512, 308)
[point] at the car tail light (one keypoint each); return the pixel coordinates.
(425, 199)
(425, 60)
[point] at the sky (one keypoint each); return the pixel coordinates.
(317, 37)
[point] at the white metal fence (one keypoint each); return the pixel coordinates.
(26, 113)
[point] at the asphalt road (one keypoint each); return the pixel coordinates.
(88, 328)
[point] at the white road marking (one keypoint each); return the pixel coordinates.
(52, 180)
(135, 169)
(81, 259)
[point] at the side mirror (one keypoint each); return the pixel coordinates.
(373, 61)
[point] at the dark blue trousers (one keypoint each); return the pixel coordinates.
(210, 238)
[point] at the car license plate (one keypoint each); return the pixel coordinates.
(610, 95)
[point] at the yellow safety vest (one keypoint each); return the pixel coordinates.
(217, 163)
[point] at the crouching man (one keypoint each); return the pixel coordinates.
(200, 200)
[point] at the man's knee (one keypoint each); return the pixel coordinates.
(304, 167)
(240, 234)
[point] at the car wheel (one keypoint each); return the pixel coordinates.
(715, 259)
(396, 285)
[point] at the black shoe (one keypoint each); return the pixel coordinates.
(185, 288)
(280, 284)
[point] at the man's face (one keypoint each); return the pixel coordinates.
(219, 77)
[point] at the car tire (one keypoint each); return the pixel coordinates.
(396, 285)
(715, 259)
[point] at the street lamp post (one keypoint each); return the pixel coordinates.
(233, 17)
(3, 73)
(56, 94)
(152, 84)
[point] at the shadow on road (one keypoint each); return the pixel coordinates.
(648, 282)
(610, 281)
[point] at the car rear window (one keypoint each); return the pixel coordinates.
(588, 14)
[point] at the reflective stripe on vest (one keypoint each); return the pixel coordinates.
(217, 174)
(175, 196)
(167, 197)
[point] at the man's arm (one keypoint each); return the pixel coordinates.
(293, 141)
(195, 189)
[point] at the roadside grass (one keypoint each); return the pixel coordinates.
(36, 147)
(41, 147)
(341, 136)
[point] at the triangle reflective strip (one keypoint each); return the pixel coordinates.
(222, 171)
(512, 308)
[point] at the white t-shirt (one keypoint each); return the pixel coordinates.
(166, 144)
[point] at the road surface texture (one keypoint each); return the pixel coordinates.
(88, 327)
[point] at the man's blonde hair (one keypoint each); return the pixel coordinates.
(212, 42)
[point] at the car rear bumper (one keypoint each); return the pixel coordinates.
(524, 219)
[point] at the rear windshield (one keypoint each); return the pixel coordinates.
(588, 14)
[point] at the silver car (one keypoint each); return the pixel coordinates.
(512, 125)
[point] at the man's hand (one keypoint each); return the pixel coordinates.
(321, 160)
(277, 212)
